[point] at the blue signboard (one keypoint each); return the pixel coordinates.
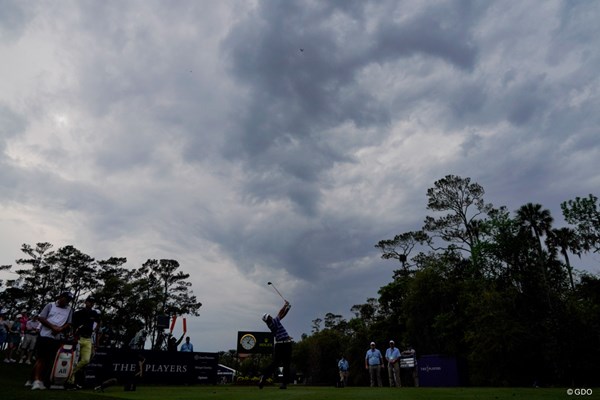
(438, 371)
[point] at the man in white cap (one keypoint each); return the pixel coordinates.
(282, 351)
(373, 363)
(55, 319)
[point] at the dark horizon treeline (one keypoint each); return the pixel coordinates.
(494, 289)
(130, 299)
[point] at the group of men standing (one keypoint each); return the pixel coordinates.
(374, 363)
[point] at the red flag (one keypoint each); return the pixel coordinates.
(173, 323)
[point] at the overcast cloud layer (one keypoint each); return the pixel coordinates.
(281, 140)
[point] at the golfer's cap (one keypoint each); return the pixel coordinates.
(372, 343)
(91, 299)
(67, 294)
(391, 342)
(265, 317)
(19, 315)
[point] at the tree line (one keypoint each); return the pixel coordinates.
(494, 288)
(131, 299)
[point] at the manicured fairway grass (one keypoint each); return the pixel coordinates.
(13, 376)
(330, 393)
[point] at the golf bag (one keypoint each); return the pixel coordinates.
(63, 365)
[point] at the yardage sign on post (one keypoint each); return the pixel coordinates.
(254, 342)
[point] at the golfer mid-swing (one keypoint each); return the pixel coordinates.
(282, 352)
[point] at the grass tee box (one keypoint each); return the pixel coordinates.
(12, 378)
(331, 393)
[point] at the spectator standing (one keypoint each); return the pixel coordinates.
(139, 340)
(24, 319)
(392, 355)
(187, 346)
(13, 339)
(32, 331)
(3, 329)
(409, 361)
(172, 343)
(344, 369)
(373, 363)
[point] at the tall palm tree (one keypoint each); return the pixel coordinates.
(566, 239)
(538, 221)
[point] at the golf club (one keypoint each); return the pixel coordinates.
(271, 284)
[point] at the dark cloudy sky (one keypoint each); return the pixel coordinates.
(200, 131)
